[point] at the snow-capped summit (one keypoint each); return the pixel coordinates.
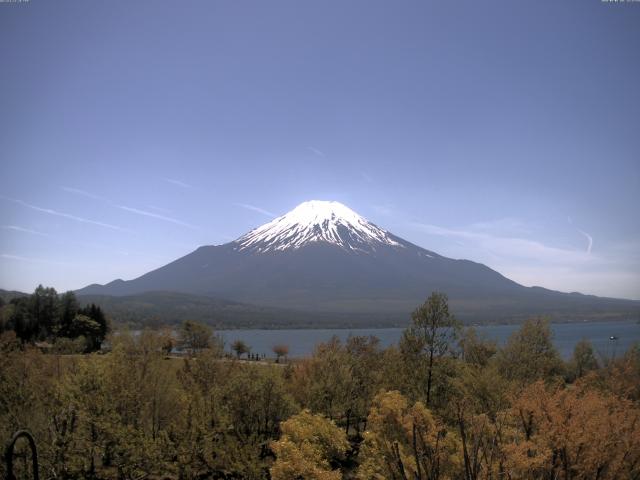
(317, 221)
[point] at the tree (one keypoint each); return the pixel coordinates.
(260, 401)
(569, 433)
(322, 382)
(94, 312)
(432, 333)
(22, 321)
(584, 359)
(194, 336)
(477, 408)
(68, 310)
(621, 376)
(405, 442)
(280, 351)
(475, 349)
(45, 315)
(310, 447)
(529, 353)
(240, 348)
(87, 327)
(167, 341)
(43, 306)
(363, 358)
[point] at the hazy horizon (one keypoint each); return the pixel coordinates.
(499, 132)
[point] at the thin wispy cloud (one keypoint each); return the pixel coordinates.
(157, 216)
(20, 258)
(511, 225)
(159, 209)
(137, 211)
(69, 216)
(508, 246)
(65, 241)
(253, 208)
(84, 193)
(589, 240)
(316, 152)
(179, 183)
(586, 235)
(16, 228)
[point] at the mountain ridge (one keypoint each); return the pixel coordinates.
(323, 258)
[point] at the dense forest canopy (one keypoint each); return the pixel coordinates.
(58, 319)
(445, 403)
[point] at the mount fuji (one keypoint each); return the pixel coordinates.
(324, 260)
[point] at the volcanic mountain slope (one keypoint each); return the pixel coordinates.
(324, 257)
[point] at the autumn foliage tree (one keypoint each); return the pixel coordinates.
(310, 447)
(405, 442)
(570, 433)
(280, 350)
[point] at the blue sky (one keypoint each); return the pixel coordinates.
(503, 132)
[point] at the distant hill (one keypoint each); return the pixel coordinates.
(324, 259)
(166, 308)
(8, 295)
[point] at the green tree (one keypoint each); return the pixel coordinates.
(240, 348)
(43, 306)
(4, 315)
(432, 333)
(322, 382)
(68, 310)
(194, 336)
(167, 340)
(22, 321)
(363, 358)
(584, 358)
(475, 349)
(257, 401)
(87, 327)
(529, 353)
(95, 313)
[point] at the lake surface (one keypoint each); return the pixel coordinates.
(566, 335)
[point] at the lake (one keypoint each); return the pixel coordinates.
(301, 342)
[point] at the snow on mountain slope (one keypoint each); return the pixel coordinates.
(317, 221)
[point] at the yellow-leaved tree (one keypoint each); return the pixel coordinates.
(406, 442)
(311, 447)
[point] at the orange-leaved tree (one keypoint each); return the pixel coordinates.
(570, 433)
